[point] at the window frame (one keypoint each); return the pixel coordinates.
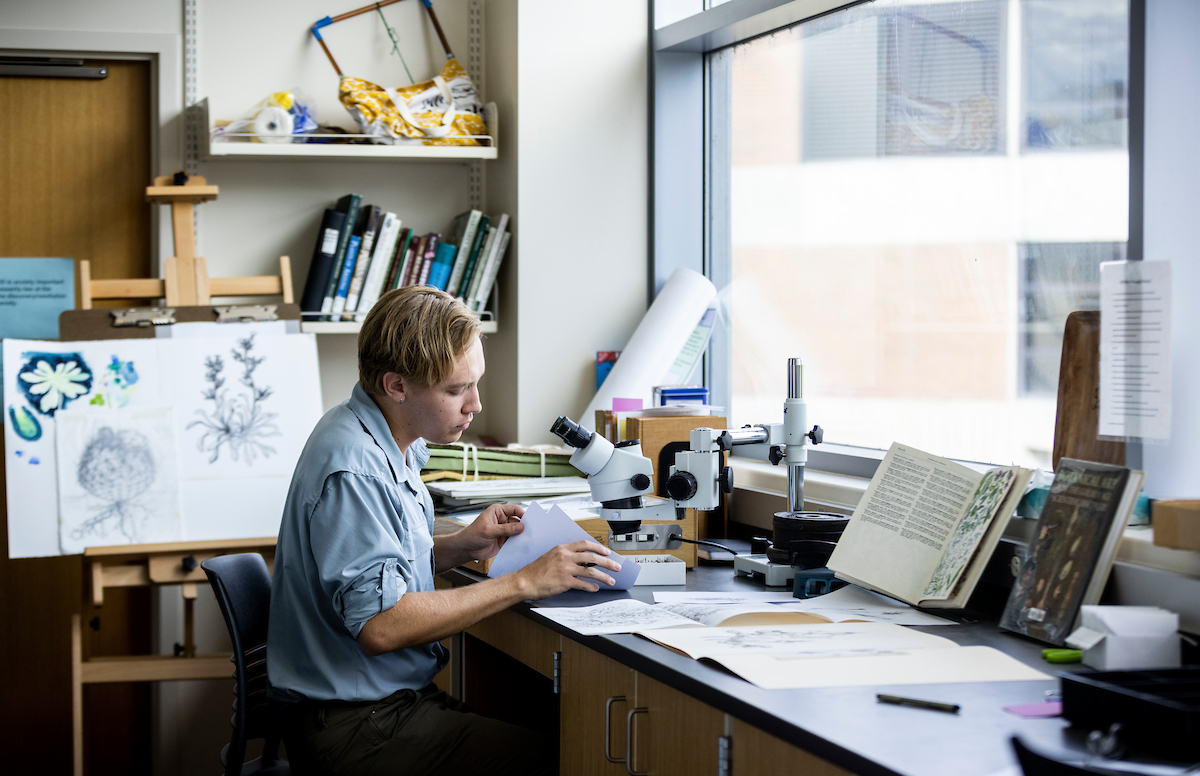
(686, 150)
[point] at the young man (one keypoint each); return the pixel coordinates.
(355, 622)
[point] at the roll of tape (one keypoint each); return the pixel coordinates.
(272, 125)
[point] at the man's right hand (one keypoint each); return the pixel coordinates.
(569, 566)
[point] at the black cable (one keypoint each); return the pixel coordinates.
(701, 541)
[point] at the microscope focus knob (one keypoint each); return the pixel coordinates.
(817, 435)
(640, 481)
(681, 486)
(726, 479)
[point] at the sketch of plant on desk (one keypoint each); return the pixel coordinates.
(116, 467)
(237, 422)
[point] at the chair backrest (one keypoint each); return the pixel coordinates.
(242, 585)
(1037, 764)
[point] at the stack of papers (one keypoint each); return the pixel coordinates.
(513, 489)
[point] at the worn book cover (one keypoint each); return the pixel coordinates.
(1073, 548)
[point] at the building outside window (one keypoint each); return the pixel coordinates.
(918, 195)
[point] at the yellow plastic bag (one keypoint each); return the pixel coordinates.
(442, 111)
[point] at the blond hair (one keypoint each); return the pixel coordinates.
(419, 333)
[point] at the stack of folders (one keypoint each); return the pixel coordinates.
(362, 252)
(465, 462)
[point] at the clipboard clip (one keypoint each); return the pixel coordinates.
(247, 313)
(143, 317)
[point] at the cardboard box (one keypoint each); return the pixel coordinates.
(1176, 524)
(1122, 638)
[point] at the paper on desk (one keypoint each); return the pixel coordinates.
(855, 603)
(625, 615)
(721, 599)
(544, 530)
(918, 666)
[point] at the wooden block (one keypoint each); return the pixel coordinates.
(1176, 524)
(661, 438)
(598, 530)
(1077, 419)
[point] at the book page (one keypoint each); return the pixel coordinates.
(761, 614)
(896, 537)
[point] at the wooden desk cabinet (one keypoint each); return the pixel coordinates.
(600, 699)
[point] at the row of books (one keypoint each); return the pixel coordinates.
(363, 252)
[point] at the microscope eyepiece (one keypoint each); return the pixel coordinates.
(570, 432)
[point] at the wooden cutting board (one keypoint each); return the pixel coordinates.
(1077, 419)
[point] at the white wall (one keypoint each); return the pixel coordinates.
(1172, 229)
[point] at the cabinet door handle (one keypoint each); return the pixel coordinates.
(629, 742)
(608, 727)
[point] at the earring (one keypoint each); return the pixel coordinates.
(399, 401)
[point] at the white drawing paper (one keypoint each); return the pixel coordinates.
(718, 599)
(118, 480)
(1135, 351)
(43, 383)
(854, 603)
(624, 615)
(851, 639)
(544, 530)
(208, 329)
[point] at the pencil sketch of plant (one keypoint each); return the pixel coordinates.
(51, 380)
(117, 467)
(237, 421)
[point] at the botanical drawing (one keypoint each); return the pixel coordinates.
(237, 421)
(117, 467)
(620, 616)
(962, 545)
(115, 385)
(51, 380)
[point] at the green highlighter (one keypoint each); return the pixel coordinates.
(1062, 655)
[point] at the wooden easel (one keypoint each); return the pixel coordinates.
(185, 280)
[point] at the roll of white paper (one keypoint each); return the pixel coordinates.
(649, 357)
(272, 125)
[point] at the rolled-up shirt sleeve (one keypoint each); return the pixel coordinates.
(363, 568)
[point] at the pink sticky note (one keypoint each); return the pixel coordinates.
(1036, 710)
(626, 405)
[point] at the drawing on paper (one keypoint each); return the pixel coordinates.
(965, 541)
(50, 381)
(117, 467)
(115, 385)
(237, 421)
(25, 423)
(620, 616)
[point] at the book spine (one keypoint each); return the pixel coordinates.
(405, 269)
(349, 205)
(473, 259)
(384, 248)
(464, 253)
(363, 264)
(389, 282)
(322, 263)
(418, 261)
(477, 277)
(489, 278)
(440, 274)
(339, 299)
(430, 257)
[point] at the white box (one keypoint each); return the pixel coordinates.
(1127, 637)
(659, 569)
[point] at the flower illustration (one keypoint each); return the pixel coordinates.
(51, 380)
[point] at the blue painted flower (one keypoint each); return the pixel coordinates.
(51, 380)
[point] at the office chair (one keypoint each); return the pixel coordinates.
(1037, 764)
(242, 585)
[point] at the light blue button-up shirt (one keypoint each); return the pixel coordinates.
(356, 535)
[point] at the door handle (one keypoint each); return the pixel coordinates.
(608, 727)
(629, 742)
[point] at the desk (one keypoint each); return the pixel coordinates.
(826, 732)
(175, 563)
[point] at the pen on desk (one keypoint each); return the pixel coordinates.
(899, 700)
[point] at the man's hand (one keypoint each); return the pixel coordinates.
(480, 540)
(566, 567)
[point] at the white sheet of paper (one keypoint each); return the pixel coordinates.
(196, 329)
(624, 615)
(108, 374)
(118, 479)
(920, 666)
(854, 603)
(746, 597)
(544, 530)
(818, 640)
(1135, 350)
(713, 615)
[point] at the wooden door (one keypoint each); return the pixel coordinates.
(74, 164)
(677, 734)
(596, 694)
(762, 754)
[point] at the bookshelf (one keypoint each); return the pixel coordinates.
(352, 327)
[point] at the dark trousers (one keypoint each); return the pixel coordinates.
(410, 732)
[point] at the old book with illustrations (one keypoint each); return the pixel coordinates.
(926, 527)
(1072, 550)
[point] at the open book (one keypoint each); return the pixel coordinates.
(1073, 549)
(926, 527)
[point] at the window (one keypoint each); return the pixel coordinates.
(917, 195)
